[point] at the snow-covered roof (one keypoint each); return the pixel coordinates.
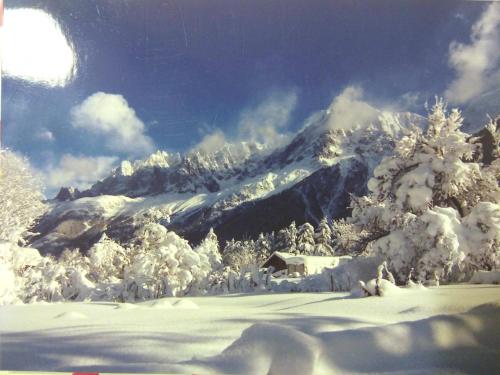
(281, 255)
(310, 260)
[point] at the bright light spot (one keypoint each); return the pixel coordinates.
(35, 49)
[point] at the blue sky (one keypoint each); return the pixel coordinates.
(175, 72)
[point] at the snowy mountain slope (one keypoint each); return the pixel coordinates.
(240, 190)
(324, 192)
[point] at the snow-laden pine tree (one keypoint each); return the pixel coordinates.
(305, 239)
(286, 239)
(209, 251)
(323, 238)
(432, 208)
(292, 230)
(211, 267)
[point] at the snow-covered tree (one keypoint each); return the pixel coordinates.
(60, 279)
(323, 238)
(292, 230)
(163, 264)
(433, 169)
(305, 239)
(239, 255)
(347, 237)
(75, 284)
(211, 267)
(20, 196)
(15, 262)
(43, 281)
(286, 239)
(20, 206)
(432, 208)
(209, 251)
(271, 237)
(107, 260)
(262, 248)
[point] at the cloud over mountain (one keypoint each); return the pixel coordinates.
(348, 109)
(264, 123)
(78, 171)
(111, 117)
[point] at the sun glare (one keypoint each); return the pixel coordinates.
(35, 49)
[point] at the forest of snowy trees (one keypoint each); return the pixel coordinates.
(432, 214)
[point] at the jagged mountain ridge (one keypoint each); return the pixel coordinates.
(240, 190)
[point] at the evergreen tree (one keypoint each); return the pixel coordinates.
(432, 208)
(323, 238)
(292, 239)
(305, 239)
(209, 250)
(286, 239)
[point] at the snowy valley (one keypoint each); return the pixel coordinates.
(409, 203)
(239, 191)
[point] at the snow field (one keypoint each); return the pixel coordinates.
(453, 329)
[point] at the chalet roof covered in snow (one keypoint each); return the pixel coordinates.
(313, 263)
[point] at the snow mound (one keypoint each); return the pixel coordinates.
(347, 275)
(485, 277)
(385, 288)
(161, 304)
(433, 345)
(416, 286)
(71, 315)
(186, 304)
(125, 306)
(270, 349)
(490, 309)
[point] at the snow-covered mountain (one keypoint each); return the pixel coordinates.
(240, 190)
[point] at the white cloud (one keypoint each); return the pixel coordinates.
(476, 64)
(410, 101)
(34, 48)
(78, 171)
(109, 115)
(45, 135)
(349, 110)
(265, 122)
(211, 142)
